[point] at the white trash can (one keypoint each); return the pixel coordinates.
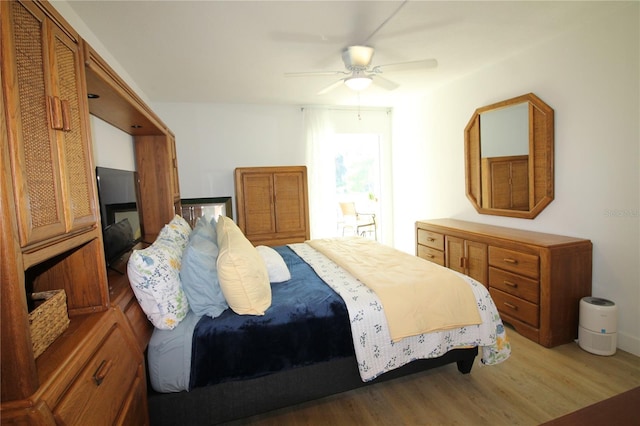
(597, 331)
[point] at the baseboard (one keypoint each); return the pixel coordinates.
(629, 343)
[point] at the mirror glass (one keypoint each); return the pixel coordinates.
(509, 157)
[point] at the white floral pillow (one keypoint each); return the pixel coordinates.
(177, 231)
(154, 275)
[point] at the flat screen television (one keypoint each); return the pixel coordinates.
(118, 194)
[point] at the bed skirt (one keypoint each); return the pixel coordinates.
(237, 399)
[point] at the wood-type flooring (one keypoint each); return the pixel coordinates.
(533, 386)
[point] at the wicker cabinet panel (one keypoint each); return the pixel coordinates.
(34, 151)
(77, 165)
(259, 209)
(50, 151)
(290, 202)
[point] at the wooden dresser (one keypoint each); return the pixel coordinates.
(272, 204)
(535, 279)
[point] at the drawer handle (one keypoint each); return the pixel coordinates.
(509, 260)
(430, 256)
(431, 239)
(510, 284)
(55, 112)
(509, 305)
(102, 371)
(66, 116)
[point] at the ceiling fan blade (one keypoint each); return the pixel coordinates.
(384, 83)
(384, 22)
(314, 73)
(407, 66)
(330, 87)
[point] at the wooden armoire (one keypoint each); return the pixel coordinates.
(273, 204)
(50, 230)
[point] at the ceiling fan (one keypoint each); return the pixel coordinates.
(360, 73)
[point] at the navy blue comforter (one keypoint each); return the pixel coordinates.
(306, 323)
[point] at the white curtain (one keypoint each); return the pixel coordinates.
(320, 126)
(321, 172)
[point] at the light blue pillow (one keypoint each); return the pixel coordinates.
(199, 273)
(214, 224)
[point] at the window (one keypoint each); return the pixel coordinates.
(357, 167)
(348, 155)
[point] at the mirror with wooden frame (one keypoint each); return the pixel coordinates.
(508, 149)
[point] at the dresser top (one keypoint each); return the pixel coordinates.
(492, 231)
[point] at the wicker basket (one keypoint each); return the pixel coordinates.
(48, 320)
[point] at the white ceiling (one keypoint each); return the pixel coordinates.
(238, 51)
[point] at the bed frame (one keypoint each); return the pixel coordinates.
(237, 399)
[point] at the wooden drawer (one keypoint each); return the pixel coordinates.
(514, 261)
(515, 307)
(435, 256)
(431, 239)
(98, 393)
(517, 285)
(135, 409)
(140, 324)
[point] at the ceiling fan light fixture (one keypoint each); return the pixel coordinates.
(358, 82)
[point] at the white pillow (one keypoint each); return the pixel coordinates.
(177, 231)
(154, 275)
(276, 268)
(242, 273)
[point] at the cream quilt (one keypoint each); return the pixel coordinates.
(376, 352)
(417, 296)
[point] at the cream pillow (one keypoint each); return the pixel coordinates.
(242, 273)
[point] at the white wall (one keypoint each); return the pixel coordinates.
(213, 139)
(112, 147)
(591, 79)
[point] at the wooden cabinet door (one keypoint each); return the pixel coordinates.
(476, 261)
(157, 175)
(257, 207)
(507, 182)
(467, 257)
(33, 145)
(290, 204)
(454, 254)
(77, 165)
(51, 163)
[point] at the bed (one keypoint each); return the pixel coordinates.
(322, 332)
